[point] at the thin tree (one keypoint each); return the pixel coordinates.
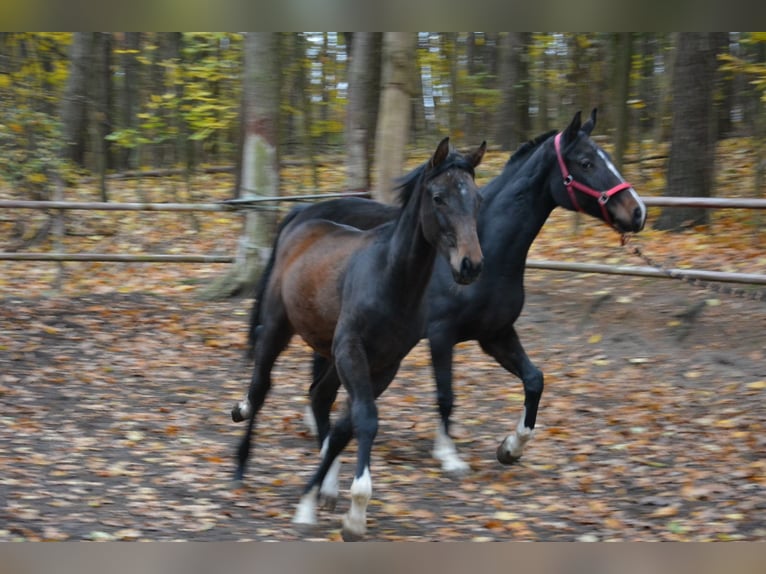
(394, 119)
(512, 125)
(259, 163)
(74, 104)
(623, 60)
(360, 126)
(692, 148)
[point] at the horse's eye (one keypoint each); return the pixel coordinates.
(438, 199)
(586, 164)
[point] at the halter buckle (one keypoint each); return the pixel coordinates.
(568, 180)
(603, 198)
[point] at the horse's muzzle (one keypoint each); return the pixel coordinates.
(469, 271)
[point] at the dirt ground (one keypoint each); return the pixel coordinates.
(115, 425)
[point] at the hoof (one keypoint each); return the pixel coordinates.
(305, 529)
(328, 502)
(352, 533)
(349, 536)
(505, 457)
(456, 470)
(236, 414)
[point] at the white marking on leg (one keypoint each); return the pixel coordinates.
(514, 442)
(309, 420)
(306, 511)
(330, 485)
(446, 452)
(355, 520)
(244, 409)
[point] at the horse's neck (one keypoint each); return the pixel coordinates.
(410, 256)
(515, 209)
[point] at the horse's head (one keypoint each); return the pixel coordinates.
(591, 182)
(449, 207)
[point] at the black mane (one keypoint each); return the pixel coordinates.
(525, 149)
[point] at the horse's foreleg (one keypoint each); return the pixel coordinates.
(444, 449)
(323, 392)
(337, 440)
(511, 355)
(353, 370)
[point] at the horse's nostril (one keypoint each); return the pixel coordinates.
(638, 218)
(470, 269)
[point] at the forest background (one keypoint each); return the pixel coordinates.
(166, 115)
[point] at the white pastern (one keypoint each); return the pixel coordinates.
(446, 452)
(306, 511)
(330, 486)
(514, 442)
(355, 520)
(309, 421)
(244, 409)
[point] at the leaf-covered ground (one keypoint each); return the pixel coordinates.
(115, 424)
(115, 392)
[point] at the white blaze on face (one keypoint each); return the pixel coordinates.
(621, 179)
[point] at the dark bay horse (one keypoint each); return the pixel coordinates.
(356, 298)
(567, 169)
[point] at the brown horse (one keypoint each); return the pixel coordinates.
(356, 298)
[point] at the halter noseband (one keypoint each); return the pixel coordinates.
(572, 185)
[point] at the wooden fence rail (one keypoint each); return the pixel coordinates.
(263, 202)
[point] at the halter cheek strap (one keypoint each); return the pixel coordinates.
(572, 185)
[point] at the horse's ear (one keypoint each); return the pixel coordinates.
(588, 126)
(571, 131)
(476, 157)
(441, 153)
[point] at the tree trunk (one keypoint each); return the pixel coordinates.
(395, 105)
(623, 59)
(74, 104)
(358, 129)
(102, 106)
(130, 94)
(692, 151)
(506, 134)
(664, 88)
(450, 47)
(259, 175)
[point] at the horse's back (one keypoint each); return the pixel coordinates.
(312, 259)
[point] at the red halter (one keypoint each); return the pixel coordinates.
(571, 185)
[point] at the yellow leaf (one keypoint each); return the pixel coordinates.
(725, 423)
(502, 515)
(594, 338)
(757, 385)
(664, 512)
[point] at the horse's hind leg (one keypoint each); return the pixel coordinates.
(322, 394)
(511, 355)
(270, 344)
(444, 449)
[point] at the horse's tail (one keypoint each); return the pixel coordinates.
(260, 289)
